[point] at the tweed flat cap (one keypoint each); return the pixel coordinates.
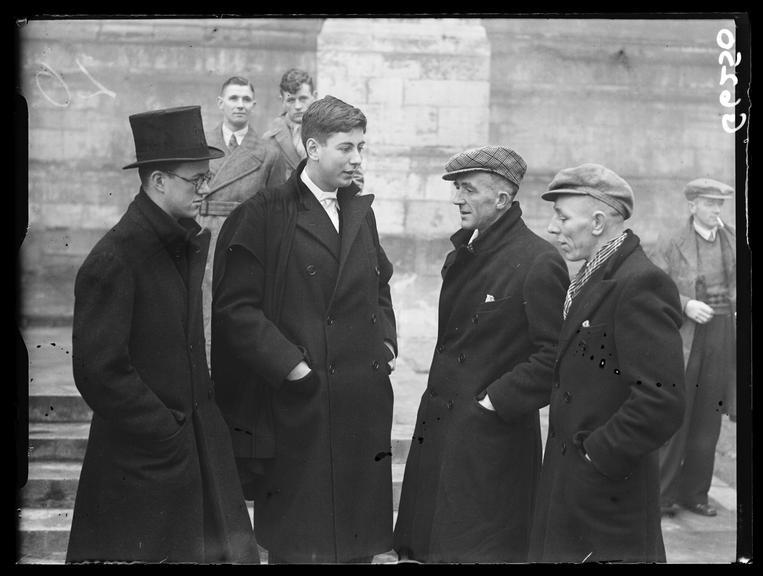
(495, 159)
(708, 188)
(593, 180)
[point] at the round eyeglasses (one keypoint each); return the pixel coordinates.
(197, 182)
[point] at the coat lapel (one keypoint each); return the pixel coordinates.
(687, 248)
(315, 222)
(238, 163)
(282, 136)
(353, 212)
(196, 268)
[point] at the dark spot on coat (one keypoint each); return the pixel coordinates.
(382, 456)
(420, 439)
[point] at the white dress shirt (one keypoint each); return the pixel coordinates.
(239, 134)
(707, 233)
(326, 199)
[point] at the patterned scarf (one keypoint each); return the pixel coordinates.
(591, 266)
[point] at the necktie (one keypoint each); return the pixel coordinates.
(233, 144)
(332, 209)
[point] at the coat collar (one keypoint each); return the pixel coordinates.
(595, 290)
(172, 233)
(496, 235)
(281, 134)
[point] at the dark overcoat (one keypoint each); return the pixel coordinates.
(618, 396)
(471, 474)
(243, 171)
(287, 288)
(158, 481)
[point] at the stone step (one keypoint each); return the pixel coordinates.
(58, 408)
(58, 441)
(67, 441)
(51, 485)
(43, 535)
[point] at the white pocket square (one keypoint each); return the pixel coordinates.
(586, 324)
(489, 298)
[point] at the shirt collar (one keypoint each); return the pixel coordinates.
(313, 187)
(707, 233)
(238, 133)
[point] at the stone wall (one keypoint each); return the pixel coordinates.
(638, 96)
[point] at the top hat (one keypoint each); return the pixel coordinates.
(170, 135)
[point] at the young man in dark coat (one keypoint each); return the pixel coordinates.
(303, 331)
(159, 481)
(473, 466)
(700, 257)
(618, 383)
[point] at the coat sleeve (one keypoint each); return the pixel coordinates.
(103, 371)
(389, 326)
(275, 164)
(527, 386)
(665, 257)
(241, 333)
(649, 352)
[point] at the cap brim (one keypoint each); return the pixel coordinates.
(213, 153)
(714, 196)
(552, 194)
(456, 173)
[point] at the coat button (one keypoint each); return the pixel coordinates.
(373, 318)
(376, 269)
(440, 348)
(330, 321)
(450, 404)
(567, 397)
(475, 318)
(179, 417)
(195, 405)
(556, 384)
(564, 448)
(311, 270)
(375, 364)
(332, 368)
(461, 358)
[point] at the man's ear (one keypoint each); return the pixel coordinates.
(312, 146)
(157, 180)
(503, 200)
(219, 102)
(599, 221)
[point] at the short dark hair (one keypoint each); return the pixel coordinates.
(329, 115)
(292, 80)
(236, 81)
(145, 171)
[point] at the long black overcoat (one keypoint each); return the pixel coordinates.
(326, 492)
(617, 396)
(471, 474)
(158, 482)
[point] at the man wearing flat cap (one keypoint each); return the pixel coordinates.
(474, 462)
(618, 382)
(159, 481)
(700, 258)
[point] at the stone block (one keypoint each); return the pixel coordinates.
(454, 93)
(390, 215)
(431, 219)
(387, 91)
(463, 127)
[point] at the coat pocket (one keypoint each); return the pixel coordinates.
(494, 305)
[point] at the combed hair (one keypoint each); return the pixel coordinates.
(236, 81)
(293, 79)
(328, 116)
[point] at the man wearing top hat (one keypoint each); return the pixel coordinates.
(250, 164)
(159, 481)
(700, 258)
(474, 462)
(303, 342)
(618, 382)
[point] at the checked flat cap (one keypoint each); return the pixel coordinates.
(593, 180)
(708, 188)
(495, 159)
